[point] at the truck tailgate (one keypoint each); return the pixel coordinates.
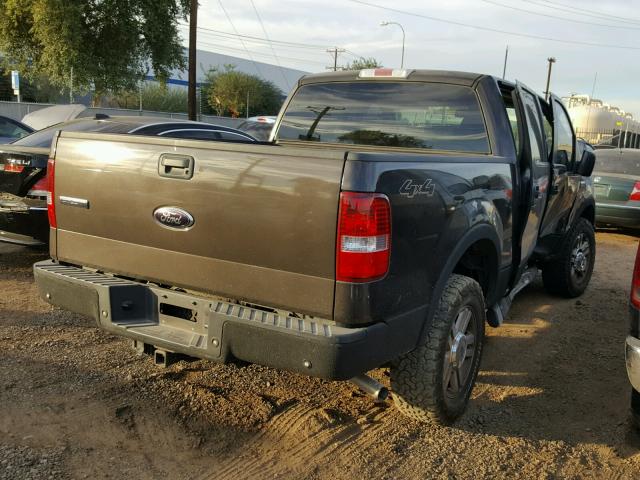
(264, 216)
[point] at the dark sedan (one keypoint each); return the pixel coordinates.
(11, 130)
(616, 180)
(23, 167)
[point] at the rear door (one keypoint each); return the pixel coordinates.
(243, 221)
(565, 183)
(534, 172)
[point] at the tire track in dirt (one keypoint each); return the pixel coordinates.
(273, 457)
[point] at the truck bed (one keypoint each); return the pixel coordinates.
(257, 211)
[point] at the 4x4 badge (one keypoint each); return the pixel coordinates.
(410, 188)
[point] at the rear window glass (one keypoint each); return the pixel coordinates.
(430, 116)
(613, 161)
(42, 138)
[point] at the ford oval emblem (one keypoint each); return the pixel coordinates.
(173, 217)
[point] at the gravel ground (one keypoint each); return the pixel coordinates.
(551, 400)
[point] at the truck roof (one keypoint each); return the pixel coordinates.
(438, 76)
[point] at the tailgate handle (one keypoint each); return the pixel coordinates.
(176, 166)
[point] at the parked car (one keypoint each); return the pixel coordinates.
(48, 116)
(23, 166)
(632, 344)
(616, 181)
(11, 130)
(393, 215)
(258, 127)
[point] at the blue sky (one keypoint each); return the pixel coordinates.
(440, 45)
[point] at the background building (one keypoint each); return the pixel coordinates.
(602, 124)
(282, 77)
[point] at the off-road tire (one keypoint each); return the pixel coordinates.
(417, 377)
(557, 274)
(635, 409)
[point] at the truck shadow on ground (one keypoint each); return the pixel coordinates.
(555, 370)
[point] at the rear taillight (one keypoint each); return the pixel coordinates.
(364, 237)
(40, 188)
(635, 193)
(13, 168)
(51, 204)
(635, 282)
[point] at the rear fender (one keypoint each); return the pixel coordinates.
(476, 234)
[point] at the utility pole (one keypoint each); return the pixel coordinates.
(335, 51)
(193, 26)
(71, 87)
(140, 96)
(551, 61)
(504, 69)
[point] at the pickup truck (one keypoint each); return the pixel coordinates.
(391, 214)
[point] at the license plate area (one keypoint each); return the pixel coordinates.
(176, 311)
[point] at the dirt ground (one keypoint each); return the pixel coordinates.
(551, 400)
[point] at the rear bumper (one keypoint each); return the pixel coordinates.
(632, 360)
(618, 215)
(25, 228)
(219, 330)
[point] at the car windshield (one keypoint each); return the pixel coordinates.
(42, 138)
(422, 115)
(259, 130)
(9, 129)
(616, 161)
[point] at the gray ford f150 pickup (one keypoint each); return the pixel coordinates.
(391, 215)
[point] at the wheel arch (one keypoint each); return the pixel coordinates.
(589, 213)
(481, 241)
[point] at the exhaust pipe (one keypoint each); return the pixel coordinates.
(372, 387)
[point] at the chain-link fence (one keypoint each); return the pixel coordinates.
(610, 138)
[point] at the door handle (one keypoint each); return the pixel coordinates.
(171, 165)
(175, 162)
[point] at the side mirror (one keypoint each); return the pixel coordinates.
(587, 162)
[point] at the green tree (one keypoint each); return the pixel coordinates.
(154, 96)
(226, 92)
(363, 62)
(109, 45)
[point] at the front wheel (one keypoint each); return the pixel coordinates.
(434, 381)
(570, 273)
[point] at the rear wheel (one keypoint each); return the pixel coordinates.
(434, 381)
(570, 273)
(635, 408)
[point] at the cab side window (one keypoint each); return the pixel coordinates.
(565, 141)
(534, 127)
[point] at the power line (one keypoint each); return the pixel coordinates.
(258, 44)
(286, 80)
(282, 42)
(585, 13)
(218, 47)
(548, 15)
(241, 41)
(495, 30)
(353, 54)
